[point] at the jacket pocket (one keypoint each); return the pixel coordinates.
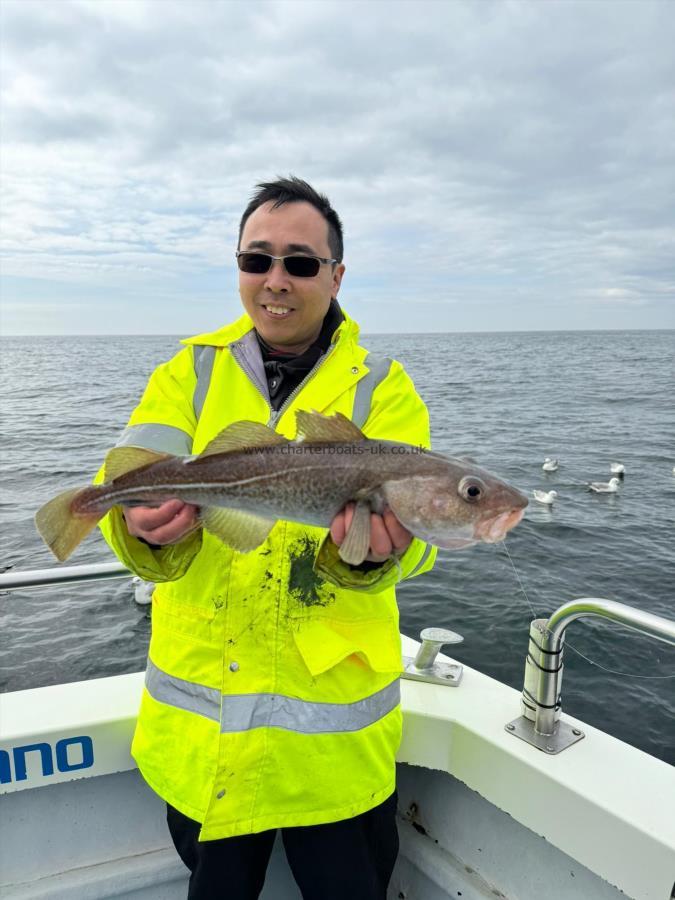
(202, 623)
(323, 643)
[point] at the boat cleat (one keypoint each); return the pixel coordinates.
(425, 667)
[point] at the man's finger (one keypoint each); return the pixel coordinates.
(380, 542)
(159, 524)
(146, 518)
(399, 534)
(340, 524)
(173, 531)
(337, 528)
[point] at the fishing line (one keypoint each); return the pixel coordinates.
(522, 586)
(571, 646)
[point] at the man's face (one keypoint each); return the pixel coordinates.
(288, 311)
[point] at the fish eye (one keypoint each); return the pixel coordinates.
(471, 489)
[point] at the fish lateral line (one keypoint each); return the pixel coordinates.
(214, 487)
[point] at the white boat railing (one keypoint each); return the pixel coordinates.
(16, 581)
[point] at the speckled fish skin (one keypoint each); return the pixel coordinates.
(310, 483)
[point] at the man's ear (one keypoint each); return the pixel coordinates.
(338, 272)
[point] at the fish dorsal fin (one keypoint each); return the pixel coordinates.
(121, 460)
(240, 530)
(240, 435)
(356, 544)
(314, 427)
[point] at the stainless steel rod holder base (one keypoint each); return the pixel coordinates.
(563, 736)
(449, 674)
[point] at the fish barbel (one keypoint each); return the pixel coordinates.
(250, 476)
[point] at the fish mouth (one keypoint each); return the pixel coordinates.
(493, 530)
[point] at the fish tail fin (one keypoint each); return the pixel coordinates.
(60, 528)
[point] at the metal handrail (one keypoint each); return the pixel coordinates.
(13, 581)
(636, 619)
(552, 637)
(541, 705)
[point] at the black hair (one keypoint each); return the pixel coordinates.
(295, 190)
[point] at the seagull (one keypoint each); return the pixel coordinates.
(617, 469)
(550, 465)
(142, 591)
(546, 497)
(604, 487)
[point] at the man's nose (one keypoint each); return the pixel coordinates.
(277, 279)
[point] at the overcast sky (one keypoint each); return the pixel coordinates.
(497, 165)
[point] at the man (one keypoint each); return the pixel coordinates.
(272, 696)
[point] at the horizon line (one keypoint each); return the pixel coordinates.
(363, 333)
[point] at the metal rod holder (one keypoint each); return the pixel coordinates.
(540, 723)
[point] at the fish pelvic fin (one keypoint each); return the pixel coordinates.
(240, 435)
(315, 427)
(121, 460)
(354, 549)
(60, 528)
(240, 530)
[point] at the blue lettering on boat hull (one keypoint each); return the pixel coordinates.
(65, 761)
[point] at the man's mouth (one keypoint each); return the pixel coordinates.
(275, 310)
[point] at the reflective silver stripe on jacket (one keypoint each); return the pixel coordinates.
(243, 712)
(425, 557)
(203, 362)
(196, 698)
(167, 438)
(162, 438)
(379, 369)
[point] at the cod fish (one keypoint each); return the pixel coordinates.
(250, 476)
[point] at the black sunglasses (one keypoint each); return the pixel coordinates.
(297, 266)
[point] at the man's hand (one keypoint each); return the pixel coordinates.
(387, 535)
(165, 524)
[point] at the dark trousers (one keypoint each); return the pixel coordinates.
(351, 859)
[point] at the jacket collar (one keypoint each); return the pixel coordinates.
(348, 331)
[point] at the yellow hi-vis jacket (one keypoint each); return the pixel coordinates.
(272, 690)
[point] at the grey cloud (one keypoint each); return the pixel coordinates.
(520, 141)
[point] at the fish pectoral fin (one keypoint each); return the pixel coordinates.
(240, 530)
(313, 426)
(59, 528)
(240, 435)
(356, 544)
(121, 460)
